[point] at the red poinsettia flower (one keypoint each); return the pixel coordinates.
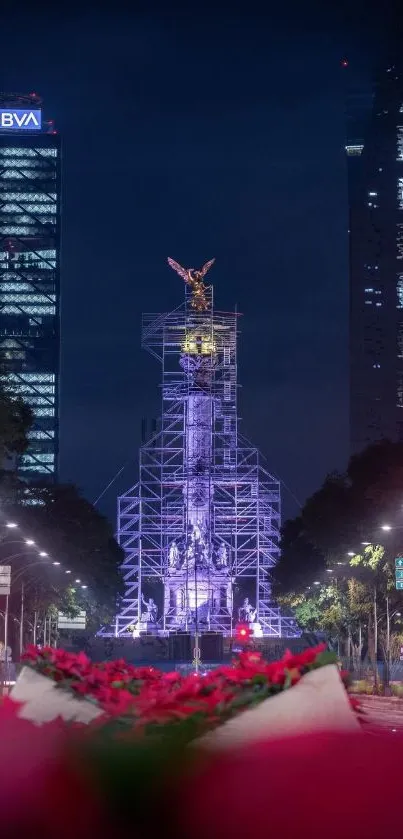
(148, 696)
(38, 782)
(304, 659)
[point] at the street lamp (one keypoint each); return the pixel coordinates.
(7, 542)
(17, 577)
(386, 527)
(11, 525)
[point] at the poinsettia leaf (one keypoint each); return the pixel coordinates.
(324, 658)
(288, 680)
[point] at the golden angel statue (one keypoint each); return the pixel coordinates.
(194, 279)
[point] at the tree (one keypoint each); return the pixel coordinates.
(61, 521)
(344, 517)
(373, 573)
(73, 533)
(320, 609)
(307, 610)
(300, 560)
(347, 510)
(355, 608)
(15, 420)
(78, 536)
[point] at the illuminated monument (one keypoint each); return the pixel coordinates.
(30, 194)
(200, 530)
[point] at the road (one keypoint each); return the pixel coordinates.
(382, 712)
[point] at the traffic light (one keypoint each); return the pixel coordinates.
(243, 633)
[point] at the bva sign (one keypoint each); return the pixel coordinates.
(20, 119)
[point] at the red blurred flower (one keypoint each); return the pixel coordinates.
(304, 659)
(38, 782)
(321, 785)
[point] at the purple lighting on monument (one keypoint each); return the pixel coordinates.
(205, 514)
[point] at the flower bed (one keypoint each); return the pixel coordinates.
(144, 697)
(127, 767)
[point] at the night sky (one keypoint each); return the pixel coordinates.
(221, 135)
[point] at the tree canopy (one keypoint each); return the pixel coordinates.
(15, 422)
(346, 511)
(338, 556)
(72, 531)
(60, 521)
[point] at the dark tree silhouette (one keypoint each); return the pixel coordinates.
(347, 510)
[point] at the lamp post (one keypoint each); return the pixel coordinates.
(18, 577)
(22, 619)
(6, 639)
(29, 543)
(6, 615)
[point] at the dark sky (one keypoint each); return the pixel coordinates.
(219, 135)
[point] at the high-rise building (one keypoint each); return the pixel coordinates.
(30, 272)
(375, 169)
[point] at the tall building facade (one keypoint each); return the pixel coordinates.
(375, 172)
(30, 163)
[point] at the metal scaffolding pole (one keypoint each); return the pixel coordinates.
(205, 514)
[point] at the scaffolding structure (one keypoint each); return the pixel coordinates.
(202, 524)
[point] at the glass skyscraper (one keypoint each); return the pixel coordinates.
(30, 272)
(375, 170)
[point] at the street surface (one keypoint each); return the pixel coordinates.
(382, 712)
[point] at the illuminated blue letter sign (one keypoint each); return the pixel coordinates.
(20, 119)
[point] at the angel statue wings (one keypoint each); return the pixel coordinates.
(194, 279)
